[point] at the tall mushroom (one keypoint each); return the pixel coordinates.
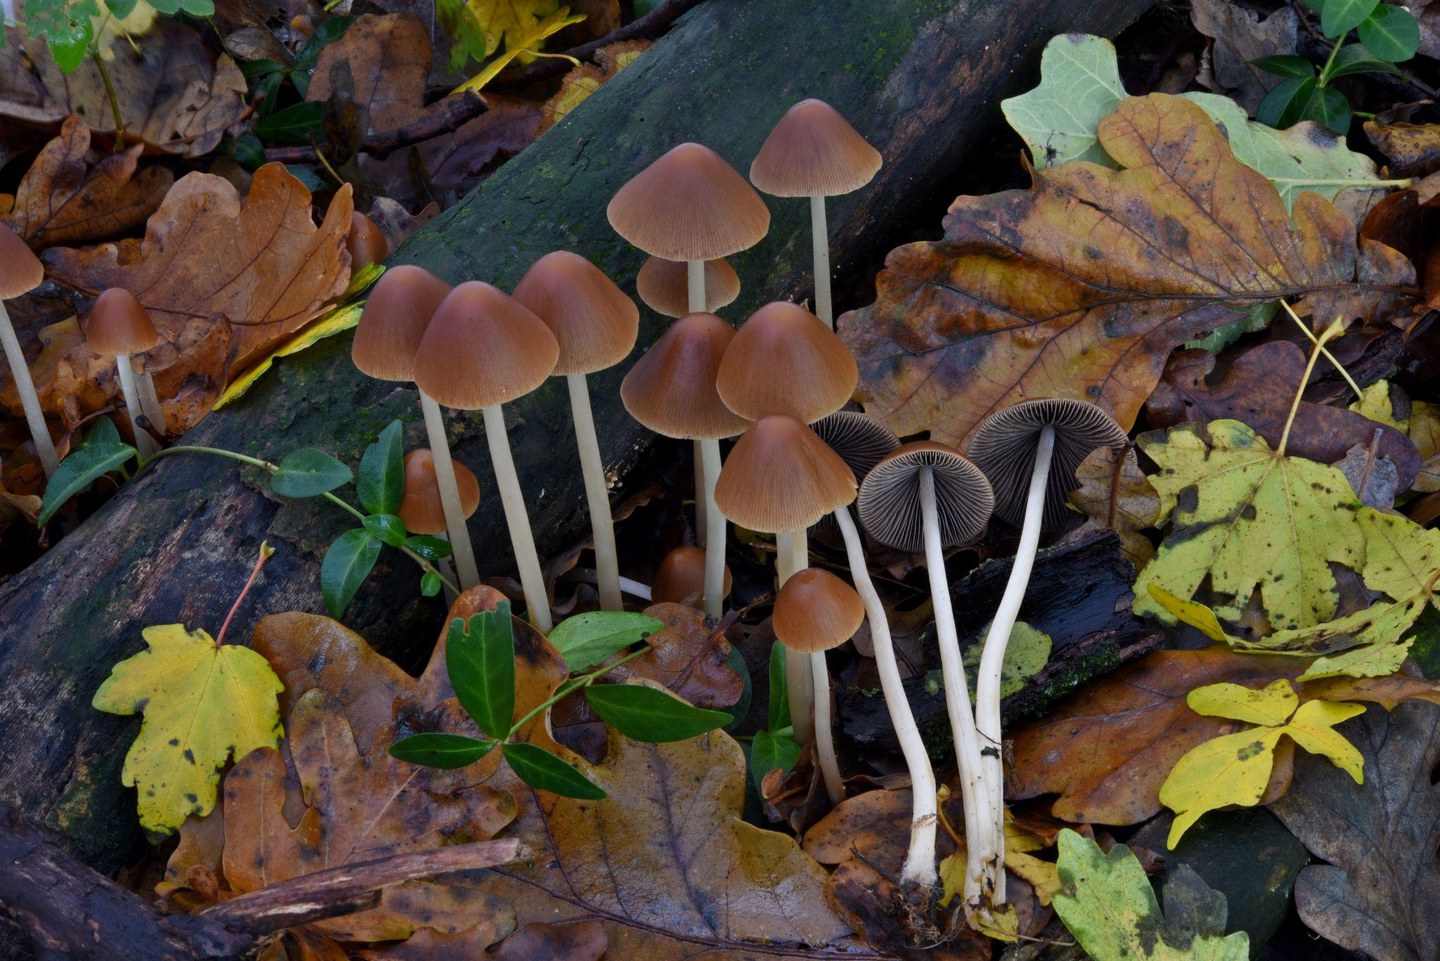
(814, 152)
(421, 509)
(481, 350)
(119, 327)
(1030, 452)
(926, 496)
(814, 612)
(596, 326)
(664, 285)
(671, 390)
(20, 273)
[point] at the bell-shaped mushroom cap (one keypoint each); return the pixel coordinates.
(20, 270)
(858, 438)
(482, 348)
(781, 477)
(393, 322)
(664, 285)
(1004, 444)
(689, 205)
(595, 323)
(815, 611)
(681, 574)
(784, 360)
(366, 242)
(119, 324)
(671, 390)
(890, 497)
(813, 151)
(420, 506)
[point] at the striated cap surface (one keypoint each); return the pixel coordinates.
(889, 499)
(20, 270)
(784, 360)
(119, 324)
(815, 611)
(393, 322)
(814, 151)
(420, 506)
(591, 318)
(664, 285)
(671, 390)
(482, 348)
(781, 477)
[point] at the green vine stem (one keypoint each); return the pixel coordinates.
(570, 686)
(110, 95)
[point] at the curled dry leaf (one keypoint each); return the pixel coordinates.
(584, 79)
(1237, 37)
(1114, 493)
(1083, 284)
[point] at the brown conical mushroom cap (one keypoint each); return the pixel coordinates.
(689, 205)
(859, 439)
(595, 323)
(890, 497)
(1003, 446)
(393, 322)
(664, 285)
(20, 270)
(420, 506)
(784, 360)
(815, 611)
(671, 390)
(813, 151)
(482, 348)
(366, 242)
(119, 324)
(681, 574)
(781, 477)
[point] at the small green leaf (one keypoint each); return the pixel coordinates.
(248, 151)
(308, 472)
(546, 772)
(292, 125)
(307, 175)
(1391, 33)
(381, 480)
(646, 714)
(386, 527)
(1354, 58)
(430, 548)
(347, 563)
(326, 33)
(1329, 108)
(779, 712)
(1285, 103)
(1287, 65)
(587, 640)
(1339, 17)
(198, 8)
(430, 584)
(770, 751)
(104, 432)
(447, 751)
(480, 658)
(98, 456)
(120, 9)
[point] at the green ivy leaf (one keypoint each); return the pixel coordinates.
(546, 772)
(779, 707)
(1391, 33)
(387, 528)
(1284, 106)
(347, 563)
(308, 472)
(101, 453)
(1339, 17)
(430, 584)
(448, 751)
(292, 125)
(770, 751)
(1353, 58)
(1329, 108)
(480, 658)
(381, 479)
(430, 548)
(1287, 65)
(589, 639)
(653, 716)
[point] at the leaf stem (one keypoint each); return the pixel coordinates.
(1325, 70)
(572, 685)
(265, 551)
(1334, 330)
(1323, 350)
(110, 95)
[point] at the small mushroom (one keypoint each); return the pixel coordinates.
(664, 286)
(861, 441)
(814, 152)
(1030, 452)
(365, 242)
(481, 350)
(680, 578)
(421, 509)
(20, 273)
(814, 612)
(118, 327)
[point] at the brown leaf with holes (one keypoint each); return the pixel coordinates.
(1082, 285)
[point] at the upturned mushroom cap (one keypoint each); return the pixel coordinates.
(681, 574)
(784, 360)
(119, 324)
(20, 270)
(482, 348)
(813, 151)
(393, 322)
(365, 242)
(664, 285)
(420, 506)
(889, 499)
(689, 205)
(594, 322)
(815, 611)
(781, 477)
(671, 389)
(1004, 444)
(859, 439)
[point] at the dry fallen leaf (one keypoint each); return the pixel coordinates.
(1115, 494)
(1238, 36)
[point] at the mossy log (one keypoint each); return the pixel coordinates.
(919, 78)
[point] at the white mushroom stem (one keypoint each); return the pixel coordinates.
(957, 693)
(597, 494)
(532, 581)
(992, 659)
(150, 403)
(143, 441)
(919, 868)
(820, 241)
(791, 557)
(824, 739)
(30, 400)
(463, 553)
(446, 569)
(715, 532)
(695, 292)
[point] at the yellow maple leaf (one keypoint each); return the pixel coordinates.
(202, 703)
(526, 43)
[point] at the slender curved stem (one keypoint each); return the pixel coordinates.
(695, 293)
(792, 557)
(597, 495)
(463, 553)
(824, 737)
(143, 441)
(820, 243)
(29, 400)
(715, 539)
(150, 403)
(574, 684)
(532, 580)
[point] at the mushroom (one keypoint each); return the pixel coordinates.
(814, 612)
(20, 273)
(420, 507)
(119, 327)
(1030, 452)
(681, 577)
(926, 496)
(664, 286)
(814, 152)
(365, 242)
(482, 349)
(671, 390)
(860, 440)
(596, 326)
